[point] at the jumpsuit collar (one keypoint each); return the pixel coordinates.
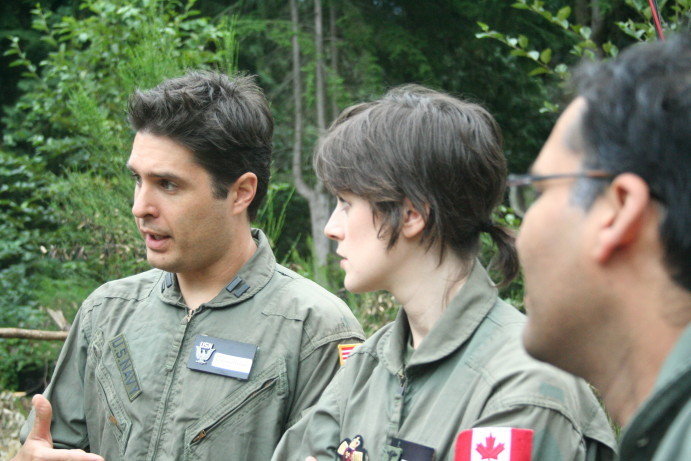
(671, 387)
(249, 280)
(457, 324)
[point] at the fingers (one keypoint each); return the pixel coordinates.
(43, 413)
(50, 454)
(76, 455)
(39, 442)
(31, 452)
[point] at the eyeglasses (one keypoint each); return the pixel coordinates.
(522, 191)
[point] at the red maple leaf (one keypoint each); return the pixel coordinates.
(489, 451)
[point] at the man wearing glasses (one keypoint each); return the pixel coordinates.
(606, 244)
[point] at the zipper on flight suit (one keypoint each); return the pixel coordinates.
(192, 312)
(153, 448)
(399, 401)
(403, 380)
(204, 432)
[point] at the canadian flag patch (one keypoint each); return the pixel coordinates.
(494, 443)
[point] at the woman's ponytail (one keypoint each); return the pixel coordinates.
(506, 258)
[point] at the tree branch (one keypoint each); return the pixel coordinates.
(21, 333)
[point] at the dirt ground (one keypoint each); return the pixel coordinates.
(13, 409)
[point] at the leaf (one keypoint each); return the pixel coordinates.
(490, 34)
(523, 41)
(588, 45)
(585, 32)
(610, 48)
(548, 107)
(520, 6)
(546, 55)
(538, 71)
(534, 55)
(483, 26)
(564, 13)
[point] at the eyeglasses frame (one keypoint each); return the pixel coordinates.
(514, 181)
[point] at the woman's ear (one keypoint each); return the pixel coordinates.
(413, 221)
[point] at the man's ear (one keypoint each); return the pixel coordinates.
(625, 212)
(242, 192)
(413, 220)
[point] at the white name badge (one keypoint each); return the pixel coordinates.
(222, 357)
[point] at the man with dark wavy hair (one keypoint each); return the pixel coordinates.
(606, 244)
(217, 350)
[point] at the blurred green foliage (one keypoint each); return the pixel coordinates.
(65, 223)
(580, 37)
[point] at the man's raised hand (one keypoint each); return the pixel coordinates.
(39, 442)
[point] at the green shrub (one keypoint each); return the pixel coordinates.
(65, 221)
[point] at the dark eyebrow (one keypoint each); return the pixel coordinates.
(159, 175)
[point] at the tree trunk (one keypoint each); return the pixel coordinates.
(581, 11)
(297, 101)
(317, 199)
(319, 68)
(596, 22)
(320, 210)
(588, 13)
(333, 45)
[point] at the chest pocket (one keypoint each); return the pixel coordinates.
(247, 424)
(115, 429)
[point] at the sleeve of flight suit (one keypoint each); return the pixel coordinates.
(555, 437)
(66, 389)
(328, 324)
(319, 424)
(316, 371)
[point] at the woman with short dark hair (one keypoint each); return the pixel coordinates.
(417, 175)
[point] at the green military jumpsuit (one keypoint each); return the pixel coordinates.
(470, 371)
(122, 387)
(661, 428)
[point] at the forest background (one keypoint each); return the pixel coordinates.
(67, 67)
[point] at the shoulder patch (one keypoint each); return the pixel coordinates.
(344, 351)
(501, 443)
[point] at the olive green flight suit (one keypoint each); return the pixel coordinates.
(470, 371)
(122, 387)
(661, 428)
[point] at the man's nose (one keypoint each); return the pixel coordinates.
(143, 204)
